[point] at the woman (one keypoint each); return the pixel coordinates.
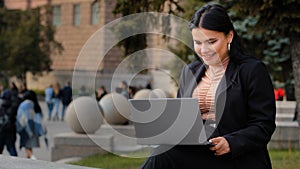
(235, 95)
(29, 123)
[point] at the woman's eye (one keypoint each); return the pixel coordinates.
(211, 42)
(198, 43)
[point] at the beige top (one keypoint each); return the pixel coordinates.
(206, 89)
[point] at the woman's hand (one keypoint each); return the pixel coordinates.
(221, 146)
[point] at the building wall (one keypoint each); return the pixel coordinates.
(73, 39)
(24, 4)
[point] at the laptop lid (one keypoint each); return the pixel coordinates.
(167, 121)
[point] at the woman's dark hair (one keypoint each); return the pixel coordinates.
(214, 17)
(30, 95)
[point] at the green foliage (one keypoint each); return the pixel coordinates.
(275, 48)
(282, 16)
(270, 36)
(27, 41)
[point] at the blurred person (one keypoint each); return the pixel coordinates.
(48, 99)
(100, 93)
(8, 111)
(23, 89)
(29, 123)
(131, 91)
(66, 98)
(123, 87)
(149, 84)
(279, 92)
(56, 100)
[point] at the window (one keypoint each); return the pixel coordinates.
(56, 20)
(95, 13)
(76, 15)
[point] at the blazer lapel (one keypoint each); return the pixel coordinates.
(227, 81)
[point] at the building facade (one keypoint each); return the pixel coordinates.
(77, 22)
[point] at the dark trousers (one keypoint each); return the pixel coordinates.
(8, 139)
(188, 157)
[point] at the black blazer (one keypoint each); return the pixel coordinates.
(245, 109)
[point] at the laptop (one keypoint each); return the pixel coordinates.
(168, 121)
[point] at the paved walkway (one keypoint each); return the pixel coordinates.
(53, 128)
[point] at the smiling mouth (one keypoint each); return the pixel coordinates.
(208, 56)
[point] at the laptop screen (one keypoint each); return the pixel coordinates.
(171, 121)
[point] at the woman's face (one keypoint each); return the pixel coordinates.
(211, 46)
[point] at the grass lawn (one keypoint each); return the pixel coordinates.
(284, 159)
(281, 159)
(110, 161)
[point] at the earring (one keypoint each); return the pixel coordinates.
(228, 46)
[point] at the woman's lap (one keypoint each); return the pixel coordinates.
(192, 157)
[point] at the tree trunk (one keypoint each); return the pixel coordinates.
(295, 56)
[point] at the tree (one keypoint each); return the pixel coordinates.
(126, 7)
(27, 41)
(277, 19)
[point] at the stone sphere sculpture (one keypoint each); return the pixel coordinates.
(115, 108)
(158, 93)
(146, 93)
(83, 115)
